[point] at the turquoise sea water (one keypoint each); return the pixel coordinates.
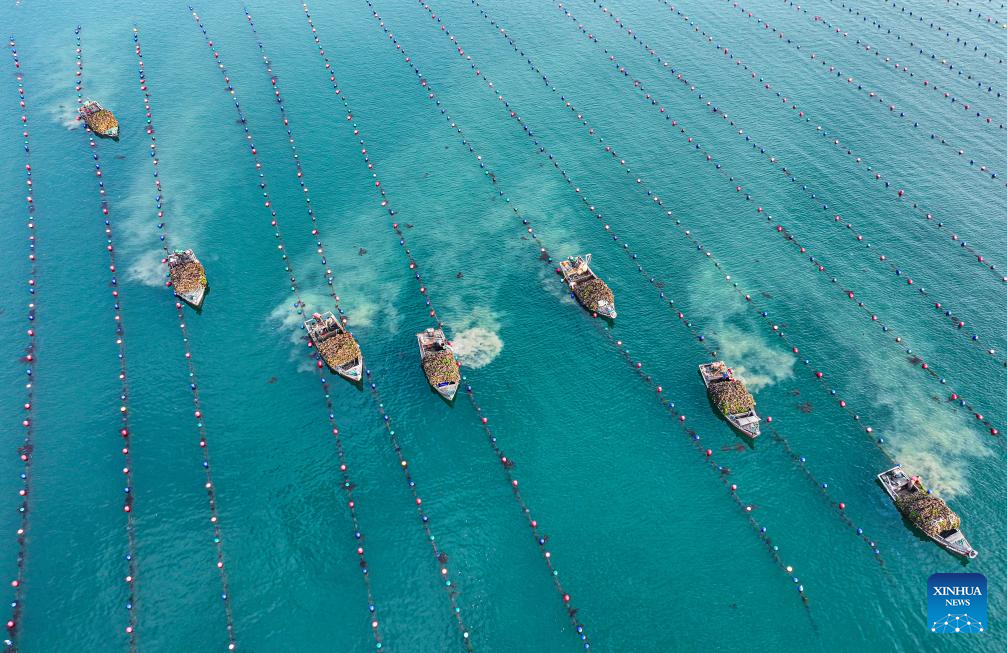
(648, 542)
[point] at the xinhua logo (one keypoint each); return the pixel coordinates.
(956, 603)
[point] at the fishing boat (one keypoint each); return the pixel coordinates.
(99, 119)
(592, 293)
(438, 361)
(188, 277)
(337, 346)
(714, 375)
(942, 528)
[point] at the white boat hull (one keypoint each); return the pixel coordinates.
(448, 391)
(353, 373)
(608, 312)
(193, 298)
(750, 430)
(572, 276)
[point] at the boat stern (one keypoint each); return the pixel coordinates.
(956, 542)
(447, 390)
(607, 310)
(193, 298)
(353, 372)
(748, 424)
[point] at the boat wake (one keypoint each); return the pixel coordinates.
(68, 119)
(288, 318)
(475, 338)
(763, 366)
(550, 283)
(947, 477)
(369, 314)
(477, 347)
(927, 439)
(148, 269)
(290, 322)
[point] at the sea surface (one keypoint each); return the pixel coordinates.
(651, 545)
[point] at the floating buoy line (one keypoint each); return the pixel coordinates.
(775, 328)
(347, 485)
(989, 19)
(761, 532)
(386, 420)
(922, 50)
(26, 450)
(542, 250)
(198, 413)
(823, 380)
(896, 187)
(955, 321)
(777, 227)
(722, 471)
(963, 43)
(439, 555)
(832, 71)
(274, 81)
(966, 105)
(507, 463)
(698, 337)
(124, 432)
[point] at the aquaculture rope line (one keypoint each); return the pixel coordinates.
(788, 100)
(963, 43)
(775, 328)
(347, 485)
(779, 228)
(120, 336)
(834, 72)
(722, 471)
(820, 376)
(321, 251)
(507, 463)
(299, 305)
(164, 238)
(924, 51)
(954, 320)
(989, 18)
(543, 252)
(543, 255)
(965, 104)
(438, 554)
(27, 448)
